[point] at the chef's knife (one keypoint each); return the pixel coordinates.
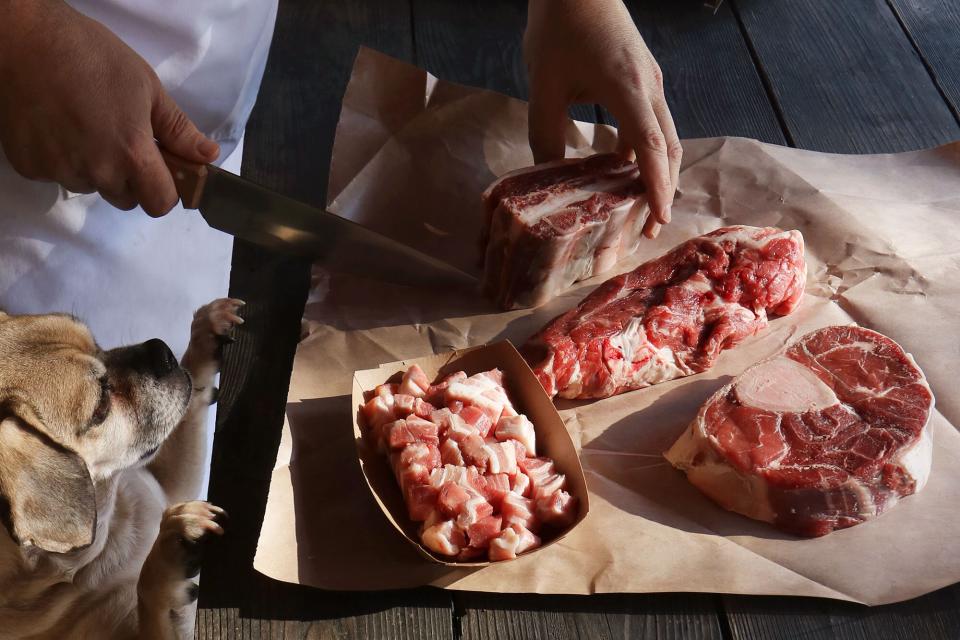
(246, 210)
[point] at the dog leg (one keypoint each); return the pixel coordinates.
(165, 592)
(178, 466)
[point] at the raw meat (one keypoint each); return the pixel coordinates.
(829, 433)
(461, 478)
(554, 224)
(670, 317)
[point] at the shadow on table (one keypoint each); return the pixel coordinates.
(653, 489)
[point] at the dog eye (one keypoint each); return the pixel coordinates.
(103, 407)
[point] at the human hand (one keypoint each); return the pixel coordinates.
(590, 51)
(80, 108)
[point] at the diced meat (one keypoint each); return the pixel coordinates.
(670, 317)
(437, 393)
(554, 224)
(404, 405)
(548, 486)
(483, 530)
(520, 485)
(451, 499)
(827, 434)
(517, 510)
(444, 538)
(450, 453)
(483, 392)
(489, 457)
(378, 411)
(511, 542)
(471, 554)
(412, 430)
(539, 469)
(498, 485)
(421, 501)
(474, 509)
(459, 430)
(423, 409)
(415, 382)
(477, 419)
(559, 509)
(503, 458)
(386, 390)
(463, 476)
(521, 451)
(460, 477)
(415, 463)
(520, 429)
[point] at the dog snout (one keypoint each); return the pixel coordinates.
(159, 358)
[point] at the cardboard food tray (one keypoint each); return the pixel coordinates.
(528, 398)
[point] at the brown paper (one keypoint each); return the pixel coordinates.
(528, 397)
(411, 157)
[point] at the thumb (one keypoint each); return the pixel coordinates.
(547, 125)
(177, 134)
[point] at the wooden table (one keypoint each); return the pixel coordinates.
(850, 76)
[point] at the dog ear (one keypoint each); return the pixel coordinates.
(47, 498)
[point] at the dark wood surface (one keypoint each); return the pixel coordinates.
(856, 76)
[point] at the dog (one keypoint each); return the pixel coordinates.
(101, 457)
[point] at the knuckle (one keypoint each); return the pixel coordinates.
(653, 140)
(675, 151)
(657, 74)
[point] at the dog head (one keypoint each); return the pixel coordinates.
(71, 415)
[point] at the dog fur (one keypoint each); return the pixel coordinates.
(101, 455)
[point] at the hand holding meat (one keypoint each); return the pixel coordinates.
(80, 108)
(590, 51)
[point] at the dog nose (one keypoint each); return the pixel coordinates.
(161, 359)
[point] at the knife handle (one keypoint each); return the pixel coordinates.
(189, 178)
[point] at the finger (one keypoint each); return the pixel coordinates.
(122, 199)
(638, 123)
(674, 148)
(177, 134)
(547, 123)
(151, 183)
(651, 228)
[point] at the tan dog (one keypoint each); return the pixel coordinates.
(94, 448)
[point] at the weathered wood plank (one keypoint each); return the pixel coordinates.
(601, 617)
(478, 43)
(933, 26)
(288, 145)
(935, 616)
(845, 76)
(711, 84)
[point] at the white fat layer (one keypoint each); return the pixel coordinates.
(746, 237)
(783, 385)
(559, 201)
(718, 480)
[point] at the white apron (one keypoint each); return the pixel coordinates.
(128, 276)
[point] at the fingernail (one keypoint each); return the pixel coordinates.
(665, 216)
(208, 147)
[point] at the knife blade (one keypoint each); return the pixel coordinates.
(254, 213)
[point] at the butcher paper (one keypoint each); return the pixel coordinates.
(411, 157)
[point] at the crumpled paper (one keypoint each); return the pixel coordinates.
(411, 157)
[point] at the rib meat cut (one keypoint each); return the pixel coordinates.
(827, 434)
(556, 223)
(670, 317)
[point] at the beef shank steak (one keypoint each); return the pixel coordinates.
(829, 433)
(672, 316)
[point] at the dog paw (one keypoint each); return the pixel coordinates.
(212, 327)
(165, 580)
